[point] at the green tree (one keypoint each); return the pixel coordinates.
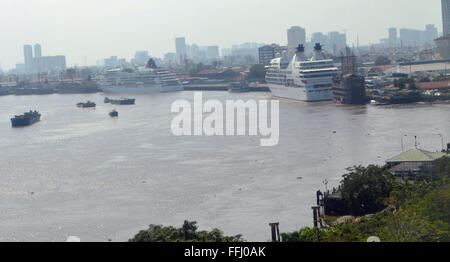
(186, 233)
(365, 188)
(382, 60)
(257, 72)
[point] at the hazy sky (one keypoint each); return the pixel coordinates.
(87, 30)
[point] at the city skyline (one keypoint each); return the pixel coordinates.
(93, 35)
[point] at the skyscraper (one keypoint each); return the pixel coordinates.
(28, 57)
(296, 35)
(180, 46)
(37, 50)
(393, 37)
(446, 16)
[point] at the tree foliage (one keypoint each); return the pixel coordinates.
(365, 188)
(257, 72)
(186, 233)
(416, 212)
(382, 60)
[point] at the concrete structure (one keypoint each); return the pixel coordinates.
(28, 57)
(296, 35)
(393, 37)
(213, 52)
(446, 16)
(337, 42)
(37, 50)
(443, 46)
(410, 37)
(49, 63)
(141, 57)
(430, 34)
(180, 47)
(269, 52)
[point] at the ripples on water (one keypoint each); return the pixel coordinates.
(80, 172)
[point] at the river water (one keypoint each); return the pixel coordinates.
(80, 172)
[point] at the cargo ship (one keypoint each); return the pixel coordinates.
(26, 119)
(86, 105)
(122, 101)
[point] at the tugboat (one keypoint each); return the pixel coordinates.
(87, 104)
(26, 119)
(114, 113)
(122, 101)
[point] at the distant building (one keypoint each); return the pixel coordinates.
(213, 52)
(269, 52)
(37, 50)
(411, 37)
(393, 37)
(170, 57)
(111, 61)
(446, 16)
(40, 63)
(430, 34)
(28, 57)
(49, 63)
(141, 57)
(337, 42)
(180, 47)
(296, 35)
(443, 46)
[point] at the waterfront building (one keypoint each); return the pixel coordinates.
(413, 162)
(446, 16)
(269, 52)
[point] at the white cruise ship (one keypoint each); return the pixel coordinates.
(301, 78)
(143, 80)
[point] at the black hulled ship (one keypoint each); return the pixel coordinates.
(26, 119)
(349, 87)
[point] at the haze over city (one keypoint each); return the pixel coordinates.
(96, 29)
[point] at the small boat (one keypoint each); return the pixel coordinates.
(107, 100)
(87, 104)
(114, 113)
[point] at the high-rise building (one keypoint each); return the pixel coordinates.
(430, 34)
(37, 50)
(296, 35)
(213, 52)
(446, 16)
(337, 42)
(393, 37)
(141, 57)
(443, 46)
(28, 57)
(411, 37)
(180, 47)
